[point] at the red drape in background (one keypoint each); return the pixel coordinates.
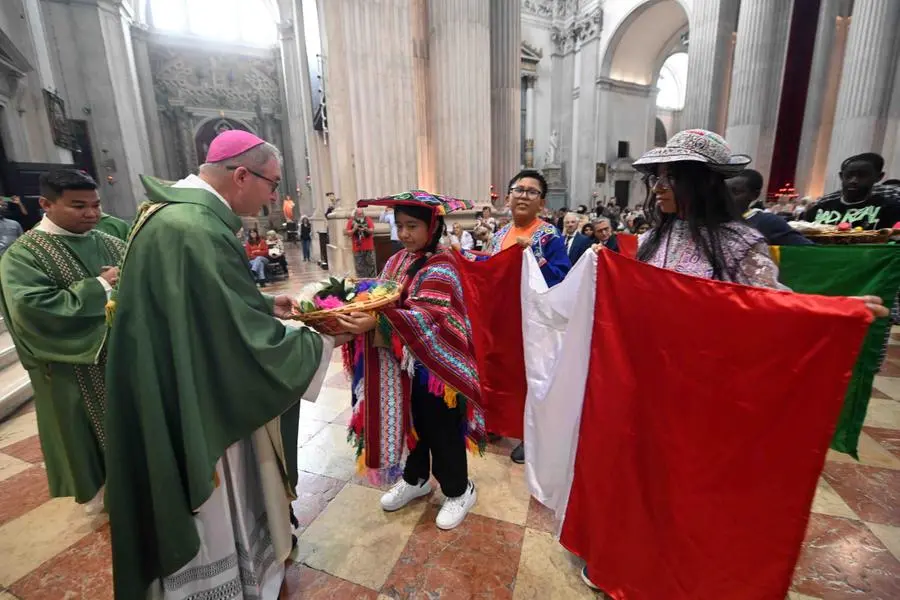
(492, 290)
(699, 449)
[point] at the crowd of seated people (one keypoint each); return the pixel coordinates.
(262, 252)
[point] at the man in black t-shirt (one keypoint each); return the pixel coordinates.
(861, 202)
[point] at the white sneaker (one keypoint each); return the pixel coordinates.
(455, 510)
(402, 494)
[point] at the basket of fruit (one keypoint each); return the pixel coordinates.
(318, 304)
(846, 234)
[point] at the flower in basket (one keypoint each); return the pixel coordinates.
(336, 293)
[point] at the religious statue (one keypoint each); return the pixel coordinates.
(550, 158)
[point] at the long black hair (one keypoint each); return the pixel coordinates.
(424, 214)
(704, 202)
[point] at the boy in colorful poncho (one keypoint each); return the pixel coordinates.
(415, 381)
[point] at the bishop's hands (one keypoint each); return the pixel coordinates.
(110, 274)
(284, 307)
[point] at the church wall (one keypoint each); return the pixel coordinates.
(25, 127)
(198, 82)
(537, 34)
(93, 62)
(585, 126)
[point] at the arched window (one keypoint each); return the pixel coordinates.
(672, 82)
(248, 21)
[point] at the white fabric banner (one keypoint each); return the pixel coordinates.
(557, 325)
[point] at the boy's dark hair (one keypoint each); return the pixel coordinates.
(874, 159)
(754, 179)
(54, 183)
(531, 174)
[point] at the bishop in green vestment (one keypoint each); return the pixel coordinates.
(55, 280)
(204, 387)
(114, 226)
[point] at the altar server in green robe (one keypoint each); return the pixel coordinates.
(55, 280)
(204, 387)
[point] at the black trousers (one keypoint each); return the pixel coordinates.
(442, 445)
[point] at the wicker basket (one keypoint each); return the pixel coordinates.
(324, 320)
(879, 236)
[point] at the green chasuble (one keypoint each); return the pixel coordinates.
(114, 226)
(55, 310)
(196, 363)
(854, 270)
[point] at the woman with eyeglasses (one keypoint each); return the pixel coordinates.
(694, 225)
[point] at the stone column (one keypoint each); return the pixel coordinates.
(891, 151)
(712, 24)
(94, 57)
(865, 83)
(184, 133)
(310, 199)
(148, 101)
(821, 98)
(369, 73)
(337, 78)
(295, 75)
(424, 142)
(529, 121)
(459, 96)
(756, 78)
(585, 114)
(506, 89)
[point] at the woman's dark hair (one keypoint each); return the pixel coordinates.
(250, 235)
(424, 214)
(585, 227)
(702, 199)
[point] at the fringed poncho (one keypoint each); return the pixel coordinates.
(427, 334)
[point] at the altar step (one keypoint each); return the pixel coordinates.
(15, 387)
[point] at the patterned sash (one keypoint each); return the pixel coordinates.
(59, 262)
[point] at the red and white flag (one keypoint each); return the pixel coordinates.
(676, 425)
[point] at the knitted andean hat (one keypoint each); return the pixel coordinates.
(439, 205)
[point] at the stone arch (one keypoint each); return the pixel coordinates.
(660, 137)
(643, 39)
(210, 128)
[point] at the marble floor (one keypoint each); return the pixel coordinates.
(349, 549)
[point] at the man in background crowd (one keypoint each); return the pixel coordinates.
(576, 243)
(388, 217)
(361, 231)
(603, 234)
(746, 188)
(9, 230)
(861, 202)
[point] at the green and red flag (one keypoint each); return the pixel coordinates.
(853, 270)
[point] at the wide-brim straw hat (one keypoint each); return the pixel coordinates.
(696, 145)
